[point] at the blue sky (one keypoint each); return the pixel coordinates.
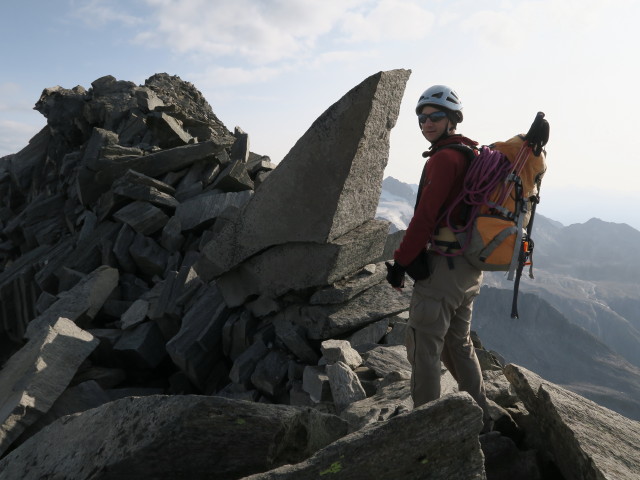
(272, 67)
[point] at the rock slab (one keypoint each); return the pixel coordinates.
(348, 144)
(569, 421)
(438, 440)
(38, 374)
(172, 437)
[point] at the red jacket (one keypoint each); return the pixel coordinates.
(443, 180)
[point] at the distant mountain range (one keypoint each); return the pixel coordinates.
(579, 320)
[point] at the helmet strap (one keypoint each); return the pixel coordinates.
(447, 131)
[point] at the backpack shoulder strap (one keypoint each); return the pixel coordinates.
(469, 152)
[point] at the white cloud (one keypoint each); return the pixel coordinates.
(387, 21)
(509, 25)
(499, 29)
(271, 31)
(259, 32)
(233, 76)
(98, 13)
(322, 60)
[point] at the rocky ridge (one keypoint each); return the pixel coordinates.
(171, 301)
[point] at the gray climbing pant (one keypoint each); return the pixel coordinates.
(439, 329)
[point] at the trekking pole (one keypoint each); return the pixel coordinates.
(526, 252)
(516, 286)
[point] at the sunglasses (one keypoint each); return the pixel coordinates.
(434, 117)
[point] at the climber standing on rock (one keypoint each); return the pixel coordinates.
(445, 286)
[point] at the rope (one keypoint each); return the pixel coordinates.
(484, 176)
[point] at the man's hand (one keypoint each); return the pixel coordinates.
(395, 275)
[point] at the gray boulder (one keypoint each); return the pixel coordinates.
(345, 385)
(172, 437)
(438, 440)
(389, 402)
(302, 265)
(587, 441)
(34, 377)
(329, 321)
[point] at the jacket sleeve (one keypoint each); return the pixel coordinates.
(441, 172)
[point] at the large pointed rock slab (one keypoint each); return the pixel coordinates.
(173, 437)
(437, 441)
(587, 441)
(329, 182)
(34, 377)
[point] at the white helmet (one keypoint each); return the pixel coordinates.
(443, 97)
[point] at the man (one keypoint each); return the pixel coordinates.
(441, 304)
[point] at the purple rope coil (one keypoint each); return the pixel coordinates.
(485, 174)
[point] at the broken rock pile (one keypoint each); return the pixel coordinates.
(190, 262)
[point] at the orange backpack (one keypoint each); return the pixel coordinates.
(501, 191)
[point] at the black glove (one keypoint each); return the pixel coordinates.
(395, 274)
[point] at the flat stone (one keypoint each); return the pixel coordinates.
(347, 288)
(234, 178)
(86, 298)
(587, 441)
(315, 382)
(328, 321)
(372, 333)
(345, 385)
(397, 334)
(294, 338)
(387, 359)
(390, 401)
(499, 389)
(143, 217)
(449, 448)
(146, 193)
(135, 314)
(260, 165)
(35, 376)
(303, 265)
(169, 132)
(170, 437)
(203, 209)
(340, 351)
(198, 344)
(98, 173)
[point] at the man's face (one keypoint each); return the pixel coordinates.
(430, 129)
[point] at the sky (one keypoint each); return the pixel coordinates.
(271, 67)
